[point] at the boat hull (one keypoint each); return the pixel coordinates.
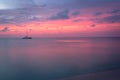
(27, 38)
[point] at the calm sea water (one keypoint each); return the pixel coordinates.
(52, 59)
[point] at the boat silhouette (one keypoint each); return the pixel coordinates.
(27, 37)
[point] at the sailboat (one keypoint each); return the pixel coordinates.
(27, 37)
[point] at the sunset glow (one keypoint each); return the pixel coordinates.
(59, 39)
(71, 18)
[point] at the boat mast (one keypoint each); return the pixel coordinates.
(27, 33)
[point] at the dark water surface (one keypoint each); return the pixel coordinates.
(52, 59)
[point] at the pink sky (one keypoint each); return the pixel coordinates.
(56, 21)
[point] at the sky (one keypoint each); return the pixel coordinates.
(60, 18)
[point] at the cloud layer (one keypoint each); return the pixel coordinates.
(68, 15)
(20, 11)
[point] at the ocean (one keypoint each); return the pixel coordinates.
(57, 58)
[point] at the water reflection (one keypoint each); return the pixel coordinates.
(49, 59)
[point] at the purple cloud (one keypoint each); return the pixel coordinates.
(60, 15)
(98, 13)
(4, 29)
(114, 11)
(76, 13)
(108, 19)
(19, 11)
